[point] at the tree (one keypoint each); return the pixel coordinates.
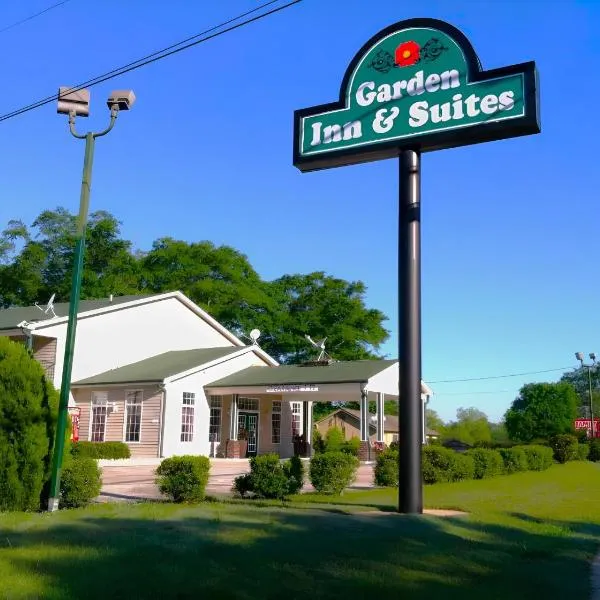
(579, 379)
(471, 426)
(218, 278)
(433, 420)
(323, 306)
(542, 410)
(37, 263)
(28, 405)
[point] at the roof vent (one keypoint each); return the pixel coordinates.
(317, 363)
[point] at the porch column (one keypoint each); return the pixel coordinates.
(380, 416)
(233, 423)
(364, 452)
(308, 426)
(364, 416)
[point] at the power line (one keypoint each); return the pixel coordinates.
(474, 393)
(31, 17)
(160, 54)
(500, 376)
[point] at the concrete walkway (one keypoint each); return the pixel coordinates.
(135, 481)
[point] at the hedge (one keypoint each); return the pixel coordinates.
(564, 447)
(515, 460)
(331, 472)
(583, 451)
(386, 468)
(80, 482)
(594, 455)
(101, 450)
(270, 478)
(183, 478)
(488, 463)
(441, 464)
(539, 458)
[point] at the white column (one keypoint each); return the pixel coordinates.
(309, 421)
(233, 415)
(380, 416)
(364, 416)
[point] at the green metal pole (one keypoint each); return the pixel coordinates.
(65, 387)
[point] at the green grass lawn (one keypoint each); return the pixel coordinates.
(527, 536)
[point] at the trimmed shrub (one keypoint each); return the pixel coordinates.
(386, 468)
(594, 455)
(583, 451)
(105, 450)
(351, 446)
(488, 463)
(514, 460)
(439, 464)
(564, 447)
(331, 472)
(28, 408)
(80, 482)
(463, 467)
(270, 478)
(318, 442)
(183, 478)
(539, 458)
(334, 440)
(294, 471)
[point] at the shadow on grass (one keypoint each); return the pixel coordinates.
(225, 551)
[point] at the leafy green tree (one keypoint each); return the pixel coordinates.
(579, 379)
(541, 411)
(38, 262)
(320, 305)
(433, 420)
(471, 427)
(218, 278)
(28, 404)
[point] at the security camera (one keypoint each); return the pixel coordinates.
(77, 101)
(124, 99)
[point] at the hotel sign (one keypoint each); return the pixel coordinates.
(279, 389)
(419, 85)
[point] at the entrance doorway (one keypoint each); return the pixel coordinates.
(248, 431)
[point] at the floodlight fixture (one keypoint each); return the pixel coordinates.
(73, 101)
(123, 99)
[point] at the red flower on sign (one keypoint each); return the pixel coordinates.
(407, 54)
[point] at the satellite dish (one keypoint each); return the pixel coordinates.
(254, 335)
(50, 306)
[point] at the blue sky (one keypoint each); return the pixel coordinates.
(510, 228)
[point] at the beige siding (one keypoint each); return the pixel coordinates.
(44, 351)
(148, 446)
(342, 421)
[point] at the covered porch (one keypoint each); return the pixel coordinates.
(269, 409)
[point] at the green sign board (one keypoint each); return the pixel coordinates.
(416, 85)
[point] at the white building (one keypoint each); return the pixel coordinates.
(160, 374)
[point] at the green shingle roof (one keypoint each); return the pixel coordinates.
(11, 317)
(357, 371)
(158, 368)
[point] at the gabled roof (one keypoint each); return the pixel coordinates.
(390, 424)
(158, 368)
(357, 371)
(10, 318)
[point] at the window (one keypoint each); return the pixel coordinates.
(296, 418)
(214, 429)
(276, 423)
(99, 414)
(247, 403)
(133, 415)
(187, 417)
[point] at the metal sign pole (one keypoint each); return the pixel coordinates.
(409, 344)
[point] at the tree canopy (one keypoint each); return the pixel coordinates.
(542, 410)
(471, 426)
(36, 262)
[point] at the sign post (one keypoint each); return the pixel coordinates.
(415, 87)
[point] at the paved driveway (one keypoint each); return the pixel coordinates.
(134, 482)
